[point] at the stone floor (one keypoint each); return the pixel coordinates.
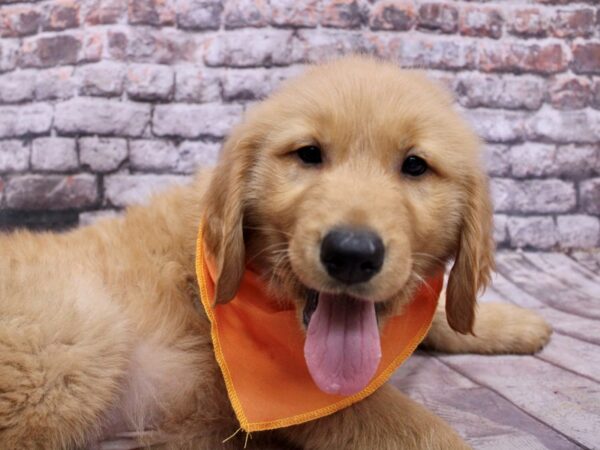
(550, 400)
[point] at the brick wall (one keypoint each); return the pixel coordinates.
(104, 101)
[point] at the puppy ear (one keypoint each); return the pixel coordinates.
(224, 215)
(474, 258)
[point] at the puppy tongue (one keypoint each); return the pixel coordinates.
(342, 348)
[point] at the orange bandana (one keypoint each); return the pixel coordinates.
(258, 344)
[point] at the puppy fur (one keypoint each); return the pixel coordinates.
(101, 333)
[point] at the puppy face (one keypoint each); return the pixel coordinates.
(353, 184)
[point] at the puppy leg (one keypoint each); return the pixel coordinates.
(386, 420)
(499, 328)
(59, 372)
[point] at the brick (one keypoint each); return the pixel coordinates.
(197, 84)
(152, 155)
(581, 126)
(246, 13)
(151, 12)
(247, 84)
(150, 82)
(54, 154)
(508, 91)
(18, 86)
(93, 46)
(196, 154)
(595, 94)
(250, 48)
(532, 232)
(101, 12)
(433, 53)
(586, 58)
(528, 22)
(20, 20)
(344, 13)
(573, 23)
(532, 160)
(102, 154)
(35, 118)
(521, 57)
(199, 14)
(438, 17)
(569, 92)
(9, 54)
(148, 45)
(103, 79)
(578, 231)
(589, 195)
(93, 217)
(480, 21)
(533, 196)
(500, 231)
(55, 83)
(574, 161)
(498, 125)
(319, 47)
(497, 160)
(101, 116)
(124, 190)
(295, 13)
(393, 15)
(50, 51)
(14, 156)
(192, 121)
(51, 192)
(61, 15)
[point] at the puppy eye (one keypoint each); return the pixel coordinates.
(414, 166)
(311, 154)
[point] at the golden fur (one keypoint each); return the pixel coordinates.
(100, 330)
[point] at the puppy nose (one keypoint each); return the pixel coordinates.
(352, 255)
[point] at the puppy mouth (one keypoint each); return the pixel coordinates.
(342, 348)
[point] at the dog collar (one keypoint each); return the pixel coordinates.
(258, 345)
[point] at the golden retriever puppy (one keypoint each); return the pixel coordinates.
(355, 181)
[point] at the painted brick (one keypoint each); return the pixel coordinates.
(507, 91)
(199, 14)
(56, 83)
(533, 196)
(528, 22)
(249, 48)
(571, 23)
(500, 229)
(18, 86)
(246, 13)
(152, 155)
(344, 13)
(61, 15)
(101, 116)
(578, 231)
(19, 20)
(197, 84)
(192, 121)
(123, 190)
(194, 155)
(432, 53)
(589, 195)
(104, 79)
(34, 118)
(9, 53)
(586, 58)
(569, 92)
(14, 156)
(532, 159)
(438, 17)
(532, 232)
(497, 160)
(149, 45)
(595, 94)
(522, 57)
(150, 82)
(481, 21)
(51, 192)
(318, 47)
(575, 161)
(54, 154)
(151, 12)
(295, 13)
(102, 154)
(565, 126)
(498, 125)
(248, 84)
(47, 51)
(100, 12)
